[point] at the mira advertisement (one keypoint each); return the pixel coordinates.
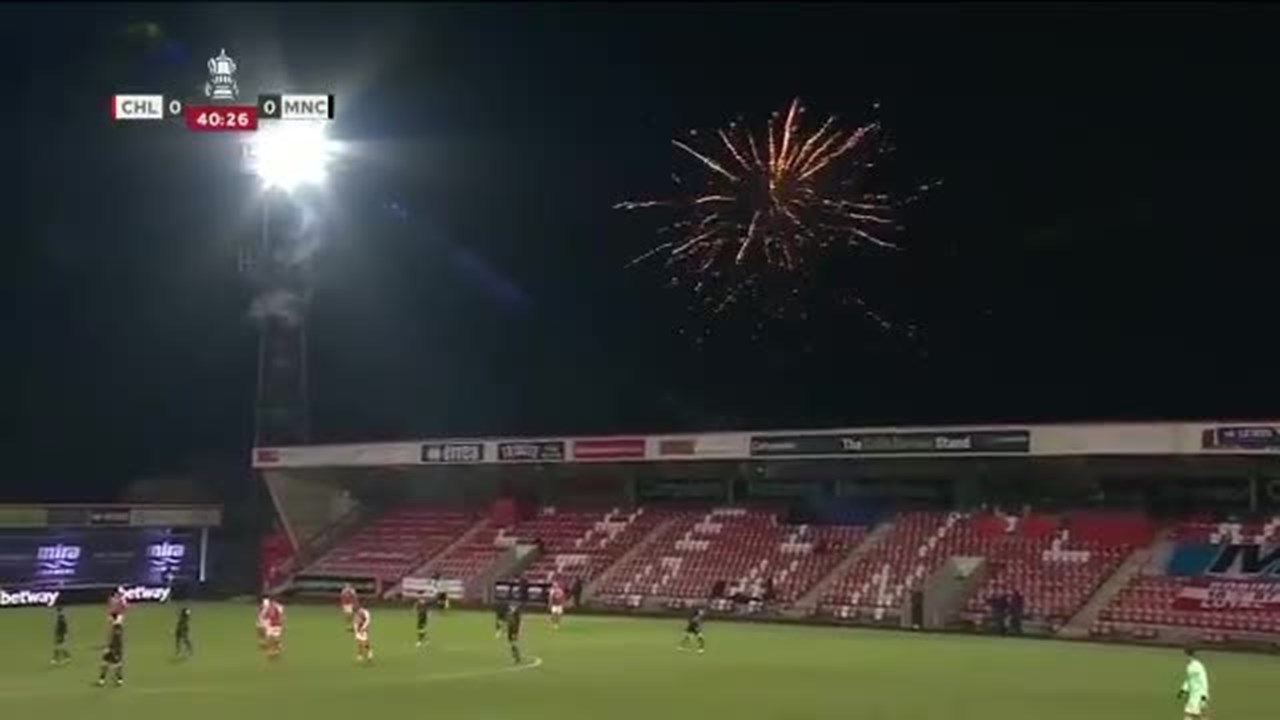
(97, 558)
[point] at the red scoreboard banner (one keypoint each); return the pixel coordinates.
(221, 118)
(1229, 595)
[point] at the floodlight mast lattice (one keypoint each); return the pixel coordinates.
(283, 157)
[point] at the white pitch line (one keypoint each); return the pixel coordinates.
(534, 662)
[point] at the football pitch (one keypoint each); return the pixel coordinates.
(597, 668)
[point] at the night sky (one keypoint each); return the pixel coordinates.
(1103, 245)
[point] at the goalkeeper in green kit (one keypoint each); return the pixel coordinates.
(1195, 689)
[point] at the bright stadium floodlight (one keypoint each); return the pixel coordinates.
(288, 155)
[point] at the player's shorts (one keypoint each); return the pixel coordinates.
(362, 637)
(348, 610)
(692, 629)
(422, 623)
(1196, 706)
(275, 632)
(513, 637)
(113, 656)
(557, 609)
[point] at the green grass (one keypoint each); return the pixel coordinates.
(599, 669)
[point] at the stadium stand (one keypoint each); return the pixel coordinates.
(393, 544)
(581, 545)
(1147, 604)
(745, 548)
(1056, 563)
(576, 543)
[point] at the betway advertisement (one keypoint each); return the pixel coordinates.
(97, 558)
(49, 598)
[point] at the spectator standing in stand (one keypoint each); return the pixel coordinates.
(1017, 606)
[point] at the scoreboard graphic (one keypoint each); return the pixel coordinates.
(222, 109)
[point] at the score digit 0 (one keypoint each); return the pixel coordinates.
(269, 107)
(172, 108)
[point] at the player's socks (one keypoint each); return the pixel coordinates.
(515, 654)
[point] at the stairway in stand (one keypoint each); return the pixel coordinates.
(809, 601)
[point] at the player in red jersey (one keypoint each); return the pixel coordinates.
(262, 622)
(117, 604)
(557, 604)
(360, 628)
(348, 600)
(275, 629)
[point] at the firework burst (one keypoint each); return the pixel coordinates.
(762, 212)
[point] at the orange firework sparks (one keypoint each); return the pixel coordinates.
(767, 208)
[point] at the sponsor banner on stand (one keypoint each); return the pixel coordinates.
(453, 453)
(1205, 594)
(1250, 437)
(971, 442)
(758, 488)
(49, 598)
(511, 590)
(29, 598)
(371, 455)
(97, 558)
(176, 517)
(714, 490)
(534, 451)
(431, 587)
(23, 517)
(1248, 561)
(110, 516)
(704, 446)
(148, 594)
(609, 449)
(68, 517)
(327, 585)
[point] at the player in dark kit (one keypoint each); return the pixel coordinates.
(182, 634)
(499, 619)
(60, 653)
(113, 656)
(513, 631)
(693, 631)
(423, 610)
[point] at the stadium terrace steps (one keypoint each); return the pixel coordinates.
(575, 543)
(580, 545)
(809, 601)
(1055, 566)
(393, 544)
(421, 570)
(876, 582)
(744, 547)
(1079, 624)
(589, 591)
(319, 544)
(1146, 605)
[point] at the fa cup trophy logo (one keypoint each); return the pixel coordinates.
(222, 81)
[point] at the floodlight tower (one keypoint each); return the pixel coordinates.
(285, 157)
